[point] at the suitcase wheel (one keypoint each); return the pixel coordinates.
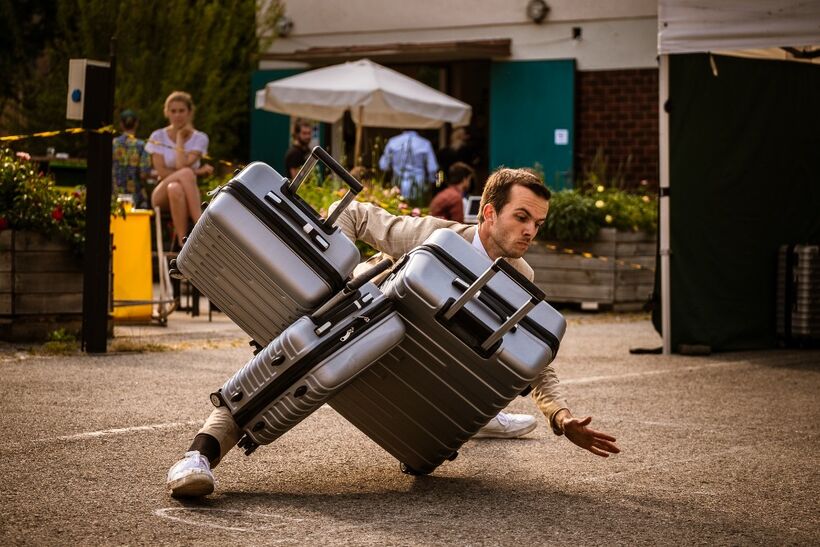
(216, 399)
(247, 444)
(407, 470)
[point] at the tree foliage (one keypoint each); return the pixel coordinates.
(205, 47)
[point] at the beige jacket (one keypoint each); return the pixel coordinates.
(397, 235)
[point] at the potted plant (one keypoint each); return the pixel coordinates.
(597, 247)
(42, 233)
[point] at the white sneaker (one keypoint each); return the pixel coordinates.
(191, 476)
(507, 426)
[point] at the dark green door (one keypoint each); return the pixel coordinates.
(270, 133)
(532, 115)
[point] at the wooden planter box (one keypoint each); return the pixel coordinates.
(615, 271)
(41, 287)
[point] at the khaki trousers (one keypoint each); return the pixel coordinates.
(221, 426)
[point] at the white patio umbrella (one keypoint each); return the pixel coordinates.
(375, 95)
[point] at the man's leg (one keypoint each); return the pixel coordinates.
(191, 476)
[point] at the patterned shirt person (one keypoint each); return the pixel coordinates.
(130, 166)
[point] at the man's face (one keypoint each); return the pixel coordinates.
(510, 231)
(304, 135)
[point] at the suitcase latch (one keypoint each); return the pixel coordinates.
(314, 235)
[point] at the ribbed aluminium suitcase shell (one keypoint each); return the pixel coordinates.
(261, 255)
(437, 388)
(306, 364)
(798, 293)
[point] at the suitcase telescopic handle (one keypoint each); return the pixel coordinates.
(500, 265)
(319, 153)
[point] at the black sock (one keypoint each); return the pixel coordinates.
(208, 446)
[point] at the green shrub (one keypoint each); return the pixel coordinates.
(572, 217)
(577, 216)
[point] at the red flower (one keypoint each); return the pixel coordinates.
(57, 214)
(3, 224)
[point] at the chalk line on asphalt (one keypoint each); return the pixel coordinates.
(186, 511)
(593, 379)
(120, 431)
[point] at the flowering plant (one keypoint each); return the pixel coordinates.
(29, 200)
(602, 198)
(577, 215)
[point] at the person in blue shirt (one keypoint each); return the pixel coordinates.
(413, 162)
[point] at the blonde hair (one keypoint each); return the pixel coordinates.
(179, 96)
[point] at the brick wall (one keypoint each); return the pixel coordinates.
(617, 112)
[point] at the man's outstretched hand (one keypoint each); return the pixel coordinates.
(597, 442)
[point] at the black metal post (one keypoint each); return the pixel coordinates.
(97, 113)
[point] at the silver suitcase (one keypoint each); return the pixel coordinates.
(474, 341)
(263, 255)
(308, 363)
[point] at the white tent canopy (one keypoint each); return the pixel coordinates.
(696, 26)
(692, 26)
(375, 95)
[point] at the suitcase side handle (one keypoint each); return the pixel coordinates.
(320, 316)
(319, 153)
(536, 296)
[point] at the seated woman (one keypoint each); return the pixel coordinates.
(176, 153)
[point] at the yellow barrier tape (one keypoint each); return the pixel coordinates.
(101, 130)
(590, 256)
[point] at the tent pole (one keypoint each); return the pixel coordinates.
(666, 312)
(357, 149)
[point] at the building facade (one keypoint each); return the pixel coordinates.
(560, 85)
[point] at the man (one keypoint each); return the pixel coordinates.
(413, 162)
(299, 151)
(449, 203)
(513, 206)
(131, 164)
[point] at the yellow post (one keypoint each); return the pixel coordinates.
(132, 265)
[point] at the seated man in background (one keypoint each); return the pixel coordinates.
(449, 203)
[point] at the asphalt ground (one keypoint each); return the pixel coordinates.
(719, 449)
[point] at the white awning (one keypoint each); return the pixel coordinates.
(691, 26)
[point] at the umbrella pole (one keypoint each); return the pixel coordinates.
(357, 149)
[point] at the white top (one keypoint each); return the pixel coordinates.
(480, 246)
(160, 143)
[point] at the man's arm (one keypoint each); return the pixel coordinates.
(576, 430)
(388, 233)
(547, 395)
